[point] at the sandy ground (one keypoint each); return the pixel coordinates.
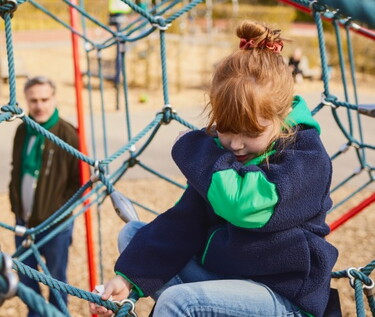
(355, 240)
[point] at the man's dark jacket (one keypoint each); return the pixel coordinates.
(58, 178)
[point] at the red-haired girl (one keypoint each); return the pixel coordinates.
(247, 236)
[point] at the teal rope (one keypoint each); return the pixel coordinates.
(144, 207)
(133, 141)
(360, 305)
(176, 117)
(33, 300)
(37, 302)
(6, 7)
(61, 213)
(185, 9)
(139, 10)
(61, 286)
(317, 109)
(58, 20)
(354, 83)
(6, 226)
(89, 17)
(42, 242)
(346, 179)
(92, 121)
(58, 215)
(124, 310)
(322, 49)
(342, 68)
(10, 57)
(44, 268)
(132, 27)
(5, 117)
(163, 56)
(359, 189)
(169, 180)
(133, 157)
(125, 89)
(349, 137)
(101, 89)
(89, 86)
(143, 22)
(100, 242)
(360, 278)
(65, 146)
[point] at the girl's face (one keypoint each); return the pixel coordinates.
(246, 146)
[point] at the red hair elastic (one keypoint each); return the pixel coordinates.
(275, 46)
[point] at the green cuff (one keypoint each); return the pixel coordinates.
(306, 313)
(136, 287)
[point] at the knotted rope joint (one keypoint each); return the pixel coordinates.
(161, 24)
(8, 6)
(167, 112)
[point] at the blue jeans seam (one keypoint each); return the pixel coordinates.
(191, 309)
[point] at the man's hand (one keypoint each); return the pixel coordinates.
(116, 289)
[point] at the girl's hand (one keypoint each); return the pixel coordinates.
(181, 134)
(116, 289)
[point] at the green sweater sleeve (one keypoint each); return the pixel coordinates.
(245, 201)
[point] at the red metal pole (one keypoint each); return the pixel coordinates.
(355, 28)
(84, 168)
(352, 212)
(297, 6)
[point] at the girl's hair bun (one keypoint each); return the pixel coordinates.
(258, 33)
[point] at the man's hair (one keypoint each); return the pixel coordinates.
(39, 80)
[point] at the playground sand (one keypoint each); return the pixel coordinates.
(355, 241)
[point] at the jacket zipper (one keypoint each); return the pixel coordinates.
(49, 161)
(208, 245)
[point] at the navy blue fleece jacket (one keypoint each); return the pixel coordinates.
(263, 220)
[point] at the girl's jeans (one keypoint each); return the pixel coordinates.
(200, 293)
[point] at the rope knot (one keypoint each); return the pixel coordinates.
(317, 7)
(11, 108)
(167, 113)
(16, 112)
(98, 170)
(132, 161)
(357, 274)
(161, 23)
(329, 100)
(8, 6)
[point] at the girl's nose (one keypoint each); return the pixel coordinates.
(236, 144)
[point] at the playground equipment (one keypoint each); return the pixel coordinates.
(101, 183)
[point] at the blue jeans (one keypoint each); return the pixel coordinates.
(55, 253)
(201, 293)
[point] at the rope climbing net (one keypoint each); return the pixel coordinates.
(101, 184)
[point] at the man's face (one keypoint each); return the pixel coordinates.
(41, 101)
